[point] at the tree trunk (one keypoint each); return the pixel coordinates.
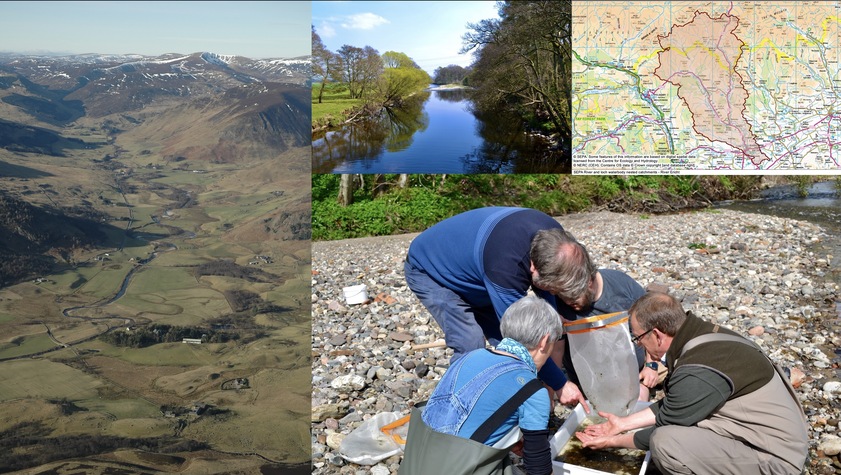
(321, 91)
(379, 186)
(346, 190)
(443, 178)
(403, 181)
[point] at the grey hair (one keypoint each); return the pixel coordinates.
(562, 263)
(527, 320)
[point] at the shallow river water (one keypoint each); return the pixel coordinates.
(821, 205)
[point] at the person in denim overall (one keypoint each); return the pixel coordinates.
(476, 385)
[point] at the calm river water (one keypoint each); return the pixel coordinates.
(435, 132)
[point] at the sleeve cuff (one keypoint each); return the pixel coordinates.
(552, 375)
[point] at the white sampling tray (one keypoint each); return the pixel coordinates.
(567, 431)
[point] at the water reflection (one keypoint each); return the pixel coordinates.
(436, 132)
(509, 148)
(365, 142)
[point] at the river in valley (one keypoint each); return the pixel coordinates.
(436, 132)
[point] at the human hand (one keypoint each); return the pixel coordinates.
(569, 394)
(610, 427)
(648, 377)
(593, 442)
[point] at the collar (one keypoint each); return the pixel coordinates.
(692, 327)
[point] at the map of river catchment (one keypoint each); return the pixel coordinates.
(706, 87)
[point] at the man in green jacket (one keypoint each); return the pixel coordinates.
(727, 410)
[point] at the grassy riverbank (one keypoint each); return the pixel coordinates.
(334, 107)
(381, 207)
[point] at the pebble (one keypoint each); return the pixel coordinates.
(830, 446)
(764, 279)
(832, 388)
(349, 382)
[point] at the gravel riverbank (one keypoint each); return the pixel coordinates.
(756, 274)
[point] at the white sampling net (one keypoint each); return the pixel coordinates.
(605, 362)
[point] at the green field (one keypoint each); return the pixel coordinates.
(164, 354)
(30, 344)
(44, 379)
(122, 408)
(334, 102)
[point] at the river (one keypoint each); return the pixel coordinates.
(435, 132)
(821, 205)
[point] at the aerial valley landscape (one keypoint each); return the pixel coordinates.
(154, 264)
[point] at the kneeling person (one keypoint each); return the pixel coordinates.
(475, 387)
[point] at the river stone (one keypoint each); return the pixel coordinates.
(322, 412)
(348, 382)
(797, 377)
(408, 364)
(336, 306)
(380, 469)
(657, 287)
(832, 388)
(421, 370)
(334, 440)
(830, 446)
(400, 336)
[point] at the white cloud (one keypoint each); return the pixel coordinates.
(363, 21)
(325, 30)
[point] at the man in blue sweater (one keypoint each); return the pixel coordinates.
(468, 269)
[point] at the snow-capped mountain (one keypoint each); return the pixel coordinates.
(106, 84)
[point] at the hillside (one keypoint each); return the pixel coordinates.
(139, 197)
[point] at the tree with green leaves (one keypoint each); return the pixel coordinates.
(395, 59)
(401, 78)
(452, 74)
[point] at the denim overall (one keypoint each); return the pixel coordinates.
(448, 409)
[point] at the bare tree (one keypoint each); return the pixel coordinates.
(324, 62)
(371, 68)
(524, 58)
(351, 59)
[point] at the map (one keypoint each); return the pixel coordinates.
(706, 87)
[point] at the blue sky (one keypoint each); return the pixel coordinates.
(262, 29)
(429, 32)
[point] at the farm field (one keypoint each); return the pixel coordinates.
(223, 265)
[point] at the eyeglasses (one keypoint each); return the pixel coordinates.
(636, 339)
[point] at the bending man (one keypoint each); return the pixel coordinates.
(468, 269)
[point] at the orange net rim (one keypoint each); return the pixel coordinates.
(388, 428)
(571, 328)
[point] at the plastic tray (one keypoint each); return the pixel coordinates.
(567, 430)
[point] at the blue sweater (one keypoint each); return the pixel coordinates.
(483, 256)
